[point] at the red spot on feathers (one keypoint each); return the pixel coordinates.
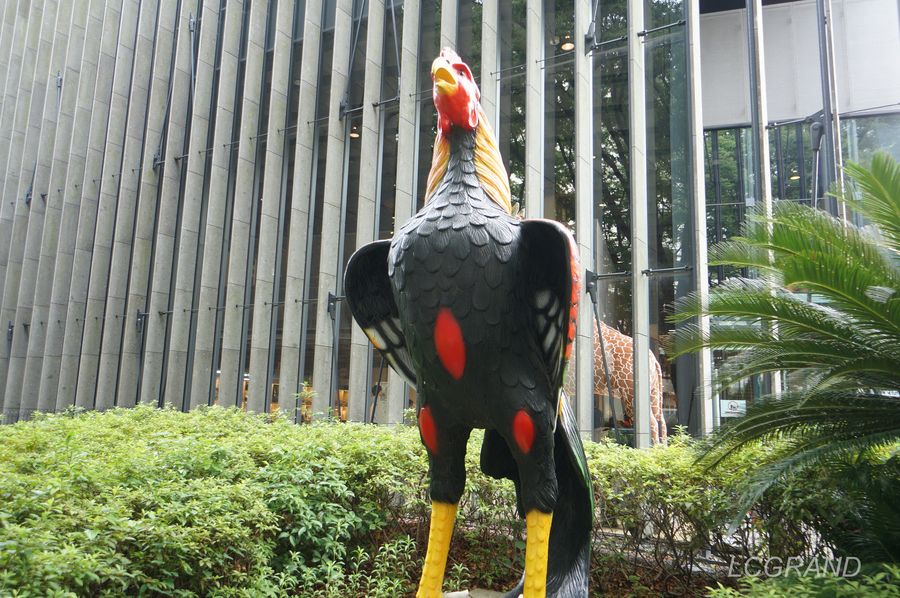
(523, 431)
(428, 430)
(449, 344)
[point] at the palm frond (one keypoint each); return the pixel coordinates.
(730, 337)
(797, 231)
(830, 411)
(828, 313)
(797, 456)
(751, 302)
(865, 372)
(813, 252)
(845, 288)
(880, 197)
(741, 253)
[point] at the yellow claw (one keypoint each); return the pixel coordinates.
(443, 516)
(537, 548)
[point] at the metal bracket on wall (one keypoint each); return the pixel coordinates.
(590, 38)
(345, 109)
(139, 322)
(666, 27)
(600, 45)
(662, 271)
(381, 103)
(9, 332)
(332, 303)
(593, 277)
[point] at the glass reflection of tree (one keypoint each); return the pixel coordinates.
(666, 67)
(559, 112)
(611, 150)
(511, 103)
(725, 202)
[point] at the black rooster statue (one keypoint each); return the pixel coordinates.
(476, 309)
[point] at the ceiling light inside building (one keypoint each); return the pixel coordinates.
(354, 132)
(567, 44)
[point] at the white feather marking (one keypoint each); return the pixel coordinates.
(542, 299)
(553, 308)
(549, 341)
(391, 336)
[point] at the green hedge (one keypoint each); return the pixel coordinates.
(217, 502)
(157, 502)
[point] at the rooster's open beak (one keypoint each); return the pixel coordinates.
(443, 76)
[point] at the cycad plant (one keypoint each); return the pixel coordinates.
(823, 307)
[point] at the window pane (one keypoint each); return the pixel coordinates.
(670, 200)
(559, 112)
(511, 133)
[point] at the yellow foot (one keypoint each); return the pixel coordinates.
(443, 516)
(537, 548)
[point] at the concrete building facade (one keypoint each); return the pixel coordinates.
(185, 180)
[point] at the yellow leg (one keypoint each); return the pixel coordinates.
(443, 516)
(537, 548)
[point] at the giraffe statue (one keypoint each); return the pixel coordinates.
(619, 352)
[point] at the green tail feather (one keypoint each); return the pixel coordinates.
(574, 446)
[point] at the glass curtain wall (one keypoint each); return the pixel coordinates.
(726, 202)
(559, 111)
(729, 185)
(469, 36)
(612, 206)
(726, 152)
(670, 197)
(863, 135)
(792, 162)
(511, 103)
(670, 203)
